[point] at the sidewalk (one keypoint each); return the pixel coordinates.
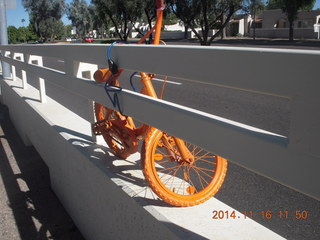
(28, 207)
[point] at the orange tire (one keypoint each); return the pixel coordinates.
(180, 183)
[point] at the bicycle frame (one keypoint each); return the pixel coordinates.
(149, 90)
(178, 176)
(146, 79)
(184, 151)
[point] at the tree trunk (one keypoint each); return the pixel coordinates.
(197, 35)
(186, 32)
(223, 32)
(149, 19)
(205, 33)
(291, 31)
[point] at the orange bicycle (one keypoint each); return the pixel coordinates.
(180, 173)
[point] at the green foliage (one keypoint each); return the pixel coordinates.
(13, 34)
(170, 18)
(21, 35)
(122, 13)
(206, 14)
(291, 4)
(44, 16)
(79, 14)
(67, 30)
(254, 6)
(149, 11)
(99, 21)
(274, 4)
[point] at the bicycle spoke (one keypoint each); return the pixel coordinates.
(194, 167)
(164, 175)
(163, 161)
(182, 183)
(161, 152)
(201, 178)
(169, 168)
(206, 157)
(201, 159)
(205, 169)
(194, 149)
(207, 161)
(171, 175)
(192, 185)
(201, 149)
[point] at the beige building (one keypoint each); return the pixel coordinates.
(274, 24)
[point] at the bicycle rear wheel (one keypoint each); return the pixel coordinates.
(119, 137)
(177, 182)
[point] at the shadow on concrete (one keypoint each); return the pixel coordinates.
(37, 212)
(100, 156)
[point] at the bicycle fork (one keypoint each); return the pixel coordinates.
(183, 151)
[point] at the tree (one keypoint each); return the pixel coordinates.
(122, 13)
(44, 16)
(149, 10)
(13, 34)
(274, 4)
(31, 34)
(78, 13)
(21, 35)
(254, 7)
(206, 14)
(291, 8)
(99, 21)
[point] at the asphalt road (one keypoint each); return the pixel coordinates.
(244, 190)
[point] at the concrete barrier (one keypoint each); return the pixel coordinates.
(107, 197)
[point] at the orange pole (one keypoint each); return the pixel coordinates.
(146, 80)
(147, 35)
(160, 8)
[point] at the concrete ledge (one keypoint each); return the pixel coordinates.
(107, 197)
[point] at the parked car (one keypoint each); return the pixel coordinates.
(88, 39)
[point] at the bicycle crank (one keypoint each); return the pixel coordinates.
(119, 131)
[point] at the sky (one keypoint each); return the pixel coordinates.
(14, 16)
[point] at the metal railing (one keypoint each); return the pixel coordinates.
(292, 160)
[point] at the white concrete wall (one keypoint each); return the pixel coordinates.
(284, 33)
(105, 196)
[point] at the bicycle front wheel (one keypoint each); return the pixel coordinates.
(178, 182)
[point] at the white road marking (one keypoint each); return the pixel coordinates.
(161, 80)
